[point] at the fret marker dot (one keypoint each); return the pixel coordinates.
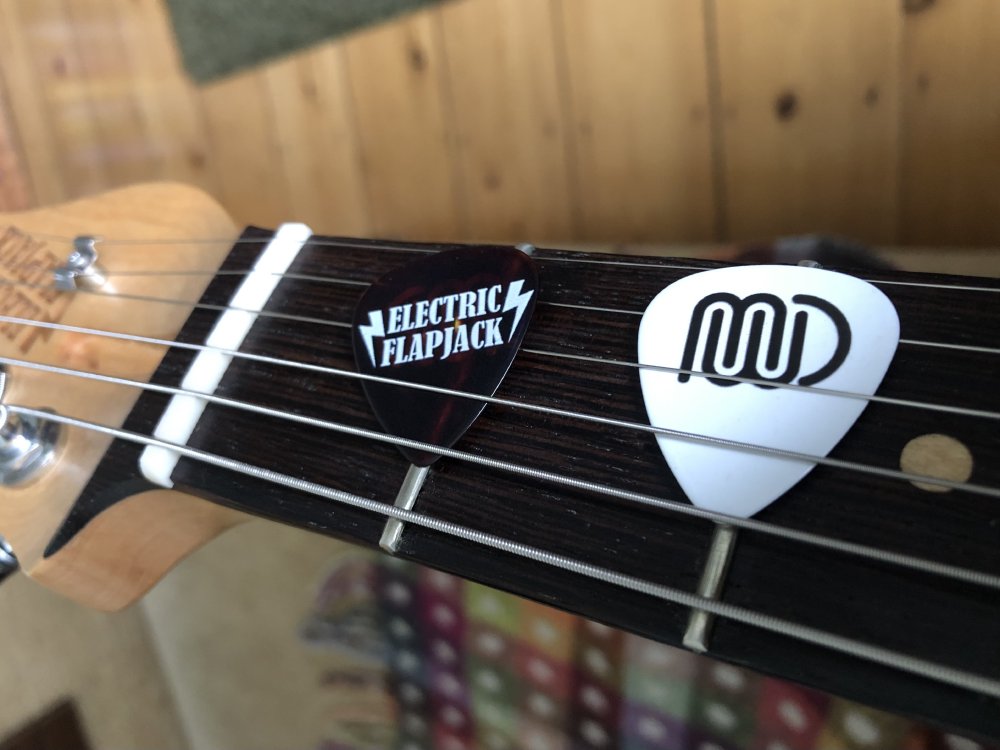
(939, 456)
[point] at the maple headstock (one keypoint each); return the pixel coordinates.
(125, 551)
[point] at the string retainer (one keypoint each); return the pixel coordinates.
(81, 270)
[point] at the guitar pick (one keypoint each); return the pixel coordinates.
(454, 320)
(782, 324)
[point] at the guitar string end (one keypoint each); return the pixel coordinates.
(713, 576)
(392, 534)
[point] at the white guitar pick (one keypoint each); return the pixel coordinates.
(785, 324)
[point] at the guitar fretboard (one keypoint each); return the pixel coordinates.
(579, 357)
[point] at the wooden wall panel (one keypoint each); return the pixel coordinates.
(167, 101)
(404, 118)
(15, 192)
(122, 145)
(637, 77)
(809, 110)
(596, 120)
(50, 107)
(314, 122)
(502, 67)
(950, 189)
(242, 138)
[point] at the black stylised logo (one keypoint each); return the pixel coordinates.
(725, 343)
(439, 327)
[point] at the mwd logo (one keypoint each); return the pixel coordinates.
(760, 337)
(778, 325)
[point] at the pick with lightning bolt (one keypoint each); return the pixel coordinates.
(454, 320)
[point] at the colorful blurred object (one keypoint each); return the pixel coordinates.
(471, 668)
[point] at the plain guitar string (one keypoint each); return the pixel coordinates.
(819, 637)
(907, 561)
(341, 324)
(815, 390)
(852, 647)
(836, 463)
(361, 244)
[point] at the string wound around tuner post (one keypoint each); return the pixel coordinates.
(392, 534)
(713, 577)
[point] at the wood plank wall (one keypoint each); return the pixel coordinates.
(540, 120)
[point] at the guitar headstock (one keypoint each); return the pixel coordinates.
(126, 550)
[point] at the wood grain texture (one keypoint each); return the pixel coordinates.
(242, 138)
(949, 192)
(502, 69)
(122, 144)
(167, 101)
(809, 131)
(594, 120)
(407, 135)
(61, 78)
(29, 249)
(639, 102)
(15, 190)
(28, 105)
(911, 612)
(314, 124)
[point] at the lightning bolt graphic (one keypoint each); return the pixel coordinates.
(515, 299)
(374, 328)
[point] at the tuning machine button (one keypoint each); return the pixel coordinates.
(8, 562)
(27, 443)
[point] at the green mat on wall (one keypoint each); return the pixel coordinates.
(217, 37)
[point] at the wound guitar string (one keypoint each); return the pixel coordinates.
(581, 416)
(888, 657)
(866, 651)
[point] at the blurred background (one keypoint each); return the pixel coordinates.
(544, 120)
(598, 122)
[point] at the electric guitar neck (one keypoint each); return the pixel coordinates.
(861, 580)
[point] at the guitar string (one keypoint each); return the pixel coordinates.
(307, 277)
(339, 324)
(814, 390)
(858, 649)
(362, 244)
(611, 422)
(933, 567)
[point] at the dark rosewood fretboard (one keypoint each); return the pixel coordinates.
(923, 615)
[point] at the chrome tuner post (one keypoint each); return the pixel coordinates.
(8, 563)
(81, 271)
(27, 443)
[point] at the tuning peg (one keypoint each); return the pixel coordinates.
(27, 444)
(8, 562)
